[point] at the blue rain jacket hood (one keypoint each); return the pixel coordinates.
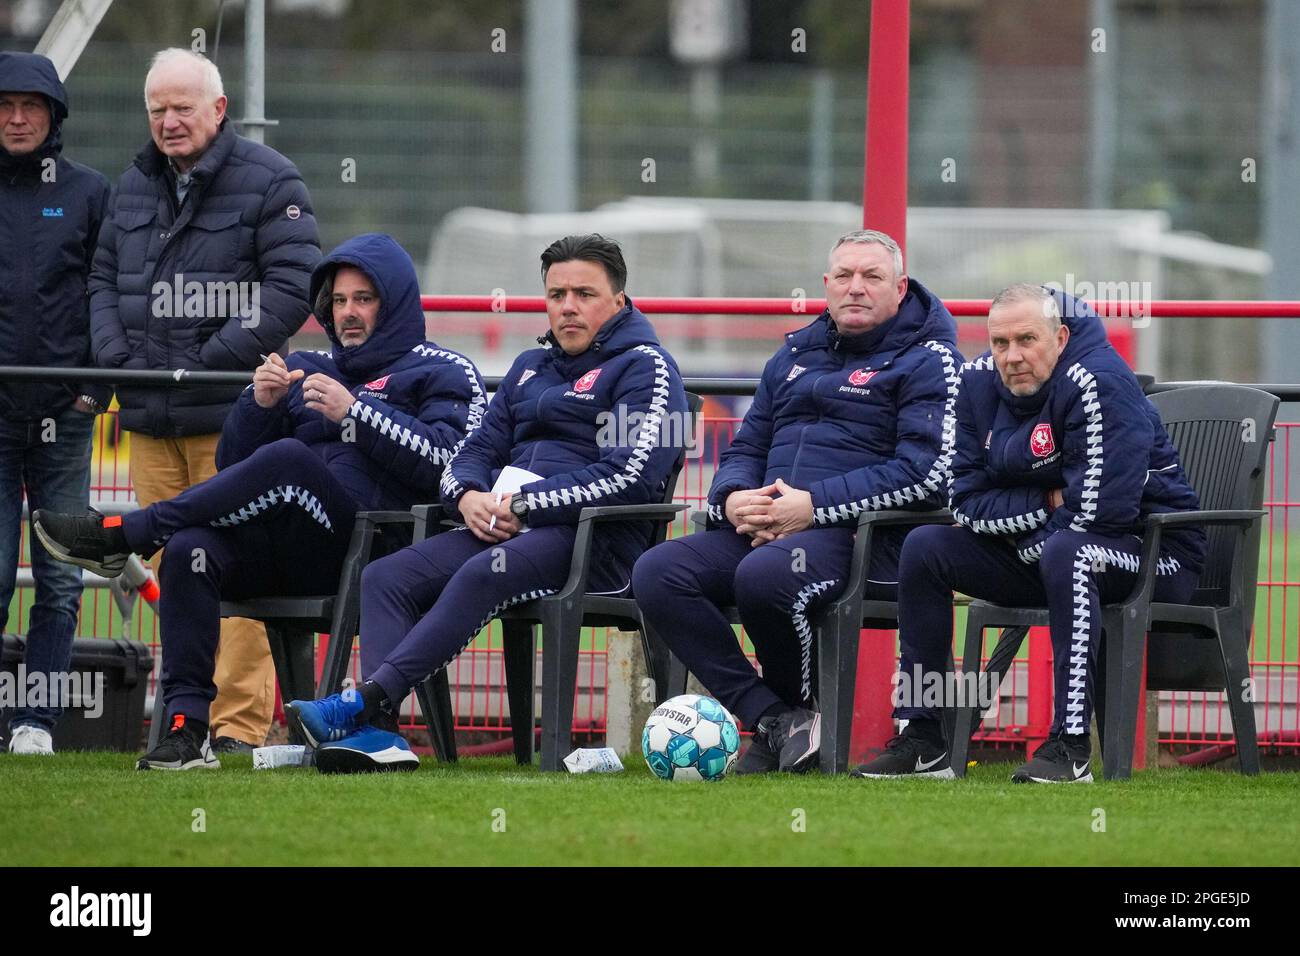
(33, 73)
(414, 402)
(48, 229)
(400, 323)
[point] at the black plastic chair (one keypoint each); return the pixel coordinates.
(1222, 434)
(562, 616)
(836, 633)
(292, 622)
(838, 628)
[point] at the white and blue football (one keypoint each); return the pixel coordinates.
(690, 737)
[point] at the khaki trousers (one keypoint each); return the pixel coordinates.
(162, 468)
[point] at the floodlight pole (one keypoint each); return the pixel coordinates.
(884, 207)
(69, 31)
(253, 125)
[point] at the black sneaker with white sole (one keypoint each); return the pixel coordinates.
(796, 737)
(760, 757)
(83, 540)
(909, 755)
(1060, 760)
(182, 749)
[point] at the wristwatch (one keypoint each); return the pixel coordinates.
(92, 404)
(519, 508)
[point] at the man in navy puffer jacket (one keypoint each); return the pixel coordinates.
(1060, 458)
(370, 425)
(853, 413)
(203, 263)
(601, 363)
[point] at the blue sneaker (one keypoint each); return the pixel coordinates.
(332, 718)
(369, 749)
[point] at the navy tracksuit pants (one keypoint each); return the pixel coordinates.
(776, 587)
(1077, 573)
(276, 523)
(421, 606)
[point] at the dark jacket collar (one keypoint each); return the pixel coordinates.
(153, 163)
(921, 316)
(627, 329)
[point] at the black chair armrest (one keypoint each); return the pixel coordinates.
(386, 517)
(868, 521)
(1175, 519)
(588, 518)
(422, 515)
(1144, 589)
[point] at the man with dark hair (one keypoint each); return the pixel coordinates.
(1059, 459)
(50, 212)
(852, 414)
(421, 606)
(370, 425)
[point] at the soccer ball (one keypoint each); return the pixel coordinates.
(690, 738)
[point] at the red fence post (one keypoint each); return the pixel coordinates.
(873, 722)
(884, 207)
(884, 179)
(1040, 688)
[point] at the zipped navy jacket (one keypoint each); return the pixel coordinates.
(603, 427)
(1088, 430)
(50, 214)
(247, 219)
(415, 402)
(861, 422)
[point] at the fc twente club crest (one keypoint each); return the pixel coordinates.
(1041, 442)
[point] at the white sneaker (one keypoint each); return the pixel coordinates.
(31, 740)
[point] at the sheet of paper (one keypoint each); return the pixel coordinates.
(512, 479)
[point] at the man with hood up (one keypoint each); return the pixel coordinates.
(315, 439)
(1060, 458)
(853, 413)
(421, 606)
(50, 212)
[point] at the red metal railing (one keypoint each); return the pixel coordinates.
(1192, 719)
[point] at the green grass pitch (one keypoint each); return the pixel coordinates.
(93, 809)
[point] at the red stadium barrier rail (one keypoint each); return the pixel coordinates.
(1189, 720)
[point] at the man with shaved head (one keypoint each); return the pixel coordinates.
(1059, 459)
(203, 264)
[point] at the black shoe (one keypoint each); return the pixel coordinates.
(232, 745)
(1060, 760)
(182, 749)
(909, 755)
(760, 757)
(82, 540)
(796, 737)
